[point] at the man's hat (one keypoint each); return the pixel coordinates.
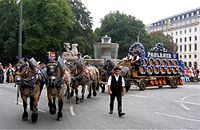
(117, 68)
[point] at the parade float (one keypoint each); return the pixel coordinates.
(157, 67)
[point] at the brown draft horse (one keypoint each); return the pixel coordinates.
(29, 85)
(84, 76)
(58, 83)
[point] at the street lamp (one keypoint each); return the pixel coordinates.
(20, 32)
(138, 36)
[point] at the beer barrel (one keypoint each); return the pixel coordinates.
(174, 70)
(160, 82)
(180, 70)
(170, 63)
(151, 62)
(144, 61)
(175, 62)
(164, 82)
(158, 62)
(142, 70)
(156, 70)
(149, 70)
(163, 62)
(168, 70)
(156, 82)
(152, 82)
(162, 70)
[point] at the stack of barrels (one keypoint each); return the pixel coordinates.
(159, 68)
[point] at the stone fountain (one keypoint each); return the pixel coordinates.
(106, 49)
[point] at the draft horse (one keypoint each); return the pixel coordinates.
(29, 85)
(58, 82)
(84, 76)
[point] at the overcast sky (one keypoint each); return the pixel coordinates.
(148, 11)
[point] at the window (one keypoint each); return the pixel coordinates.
(185, 48)
(195, 56)
(195, 38)
(180, 32)
(172, 34)
(185, 39)
(185, 31)
(180, 48)
(195, 47)
(190, 30)
(185, 56)
(180, 40)
(190, 38)
(180, 56)
(189, 56)
(190, 64)
(195, 29)
(185, 63)
(190, 47)
(176, 40)
(176, 33)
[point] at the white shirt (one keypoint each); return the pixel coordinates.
(116, 77)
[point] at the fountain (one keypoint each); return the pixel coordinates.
(106, 49)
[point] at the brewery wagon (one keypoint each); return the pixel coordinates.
(157, 67)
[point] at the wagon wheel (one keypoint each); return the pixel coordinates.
(173, 82)
(142, 84)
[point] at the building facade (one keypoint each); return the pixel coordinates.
(185, 30)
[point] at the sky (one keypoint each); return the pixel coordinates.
(148, 11)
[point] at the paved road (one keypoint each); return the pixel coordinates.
(153, 108)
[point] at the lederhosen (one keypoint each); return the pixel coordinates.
(117, 89)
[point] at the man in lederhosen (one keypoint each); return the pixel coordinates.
(116, 89)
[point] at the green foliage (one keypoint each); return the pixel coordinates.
(159, 37)
(46, 26)
(81, 32)
(123, 29)
(9, 30)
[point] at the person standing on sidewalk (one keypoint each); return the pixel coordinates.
(116, 86)
(1, 73)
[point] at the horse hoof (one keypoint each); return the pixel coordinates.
(81, 100)
(34, 117)
(52, 112)
(25, 116)
(94, 94)
(89, 96)
(59, 118)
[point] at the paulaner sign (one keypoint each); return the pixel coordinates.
(162, 55)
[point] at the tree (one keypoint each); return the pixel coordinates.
(160, 37)
(9, 15)
(123, 29)
(82, 28)
(47, 26)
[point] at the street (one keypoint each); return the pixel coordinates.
(153, 108)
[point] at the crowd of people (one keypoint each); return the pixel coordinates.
(7, 73)
(190, 74)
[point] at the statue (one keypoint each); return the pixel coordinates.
(71, 52)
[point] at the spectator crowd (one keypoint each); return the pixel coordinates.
(190, 74)
(7, 73)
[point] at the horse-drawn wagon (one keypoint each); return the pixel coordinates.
(157, 67)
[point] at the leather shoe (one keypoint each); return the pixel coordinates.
(111, 112)
(121, 114)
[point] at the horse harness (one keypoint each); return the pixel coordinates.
(53, 83)
(25, 83)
